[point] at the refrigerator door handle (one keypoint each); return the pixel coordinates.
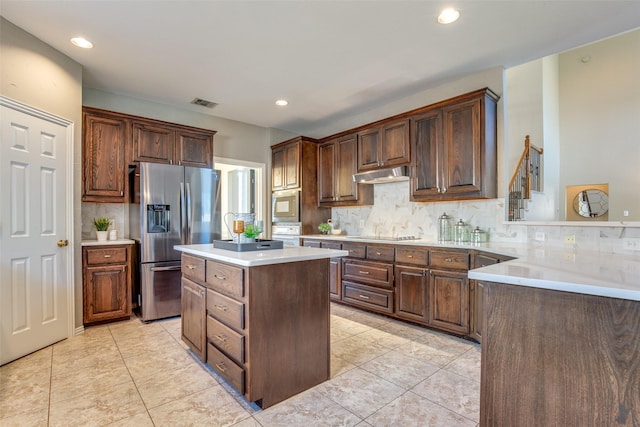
(183, 216)
(189, 215)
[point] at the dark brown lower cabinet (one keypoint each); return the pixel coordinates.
(552, 358)
(194, 315)
(449, 301)
(412, 293)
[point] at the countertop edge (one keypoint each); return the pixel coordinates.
(107, 242)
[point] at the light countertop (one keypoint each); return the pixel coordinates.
(570, 269)
(255, 258)
(107, 242)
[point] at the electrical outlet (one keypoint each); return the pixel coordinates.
(362, 223)
(570, 239)
(625, 213)
(631, 243)
(569, 256)
(540, 236)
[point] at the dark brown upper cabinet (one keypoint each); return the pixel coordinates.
(383, 146)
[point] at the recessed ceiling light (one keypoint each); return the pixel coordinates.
(448, 16)
(282, 102)
(82, 42)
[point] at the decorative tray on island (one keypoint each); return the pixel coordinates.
(258, 245)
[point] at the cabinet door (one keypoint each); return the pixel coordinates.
(153, 143)
(462, 169)
(194, 149)
(395, 145)
(346, 189)
(194, 317)
(427, 146)
(292, 166)
(105, 293)
(411, 293)
(368, 149)
(449, 301)
(103, 158)
(335, 279)
(277, 169)
(326, 172)
(478, 300)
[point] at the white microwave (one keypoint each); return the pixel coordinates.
(285, 206)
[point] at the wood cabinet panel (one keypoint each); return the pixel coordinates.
(412, 255)
(368, 297)
(458, 260)
(369, 142)
(193, 314)
(427, 148)
(226, 279)
(194, 149)
(153, 142)
(384, 146)
(381, 253)
(104, 143)
(227, 368)
(106, 255)
(193, 267)
(227, 310)
(449, 301)
(335, 279)
(327, 155)
(371, 273)
(411, 293)
(226, 339)
(285, 167)
(356, 250)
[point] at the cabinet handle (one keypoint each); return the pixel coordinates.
(439, 190)
(191, 267)
(409, 256)
(363, 272)
(220, 277)
(378, 253)
(107, 256)
(221, 366)
(221, 338)
(444, 189)
(221, 307)
(448, 260)
(363, 296)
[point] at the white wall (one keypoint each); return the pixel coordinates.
(36, 74)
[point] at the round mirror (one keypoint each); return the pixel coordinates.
(591, 203)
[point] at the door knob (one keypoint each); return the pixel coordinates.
(62, 243)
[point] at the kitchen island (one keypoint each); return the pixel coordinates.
(260, 319)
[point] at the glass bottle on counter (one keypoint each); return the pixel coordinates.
(478, 236)
(444, 228)
(460, 232)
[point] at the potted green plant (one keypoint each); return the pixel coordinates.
(324, 228)
(102, 225)
(251, 232)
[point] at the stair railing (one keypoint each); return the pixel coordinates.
(526, 178)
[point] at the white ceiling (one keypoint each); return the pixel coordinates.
(328, 58)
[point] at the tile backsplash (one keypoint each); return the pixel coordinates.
(393, 214)
(117, 212)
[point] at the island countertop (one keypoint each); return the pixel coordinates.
(266, 257)
(569, 269)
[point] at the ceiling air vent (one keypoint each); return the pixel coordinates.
(203, 102)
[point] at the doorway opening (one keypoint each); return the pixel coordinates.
(242, 190)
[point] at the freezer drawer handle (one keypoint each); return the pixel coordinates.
(220, 277)
(173, 268)
(221, 307)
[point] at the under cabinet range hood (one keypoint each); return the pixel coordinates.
(381, 176)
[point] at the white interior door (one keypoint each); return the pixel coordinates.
(36, 278)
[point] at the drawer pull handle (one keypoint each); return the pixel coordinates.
(191, 267)
(378, 253)
(221, 307)
(220, 277)
(221, 366)
(448, 260)
(107, 256)
(363, 296)
(222, 338)
(409, 256)
(363, 272)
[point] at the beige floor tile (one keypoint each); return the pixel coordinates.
(91, 337)
(454, 392)
(404, 330)
(348, 325)
(147, 365)
(309, 408)
(433, 355)
(23, 398)
(339, 366)
(370, 319)
(249, 422)
(89, 357)
(166, 386)
(34, 368)
(92, 379)
(99, 408)
(446, 342)
(400, 369)
(385, 339)
(360, 392)
(413, 410)
(138, 420)
(467, 364)
(212, 406)
(134, 328)
(146, 344)
(357, 350)
(32, 418)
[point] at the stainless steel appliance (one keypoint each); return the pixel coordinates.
(288, 233)
(285, 206)
(176, 205)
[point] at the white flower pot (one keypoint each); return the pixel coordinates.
(102, 236)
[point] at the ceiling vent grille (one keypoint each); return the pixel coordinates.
(203, 102)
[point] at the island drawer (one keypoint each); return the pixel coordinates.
(356, 250)
(413, 256)
(226, 367)
(381, 253)
(108, 255)
(226, 339)
(449, 259)
(372, 273)
(227, 310)
(192, 267)
(364, 296)
(331, 245)
(226, 279)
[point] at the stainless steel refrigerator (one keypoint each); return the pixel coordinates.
(171, 205)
